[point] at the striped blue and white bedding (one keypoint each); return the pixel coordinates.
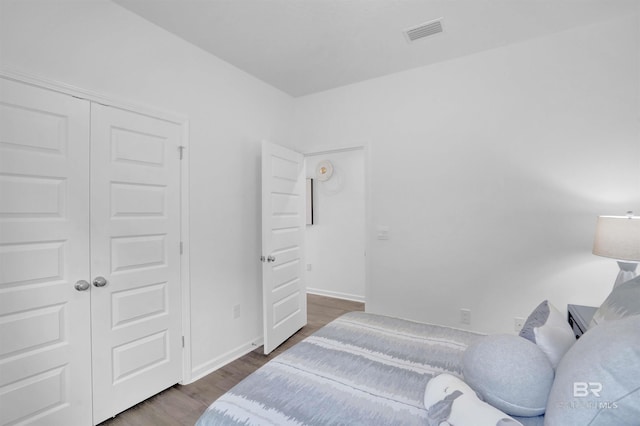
(360, 369)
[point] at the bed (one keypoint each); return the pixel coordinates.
(360, 369)
(367, 369)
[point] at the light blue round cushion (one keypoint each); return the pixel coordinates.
(510, 373)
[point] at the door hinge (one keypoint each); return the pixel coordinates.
(181, 150)
(181, 247)
(183, 341)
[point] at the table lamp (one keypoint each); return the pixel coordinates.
(618, 237)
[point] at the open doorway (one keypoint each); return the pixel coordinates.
(335, 243)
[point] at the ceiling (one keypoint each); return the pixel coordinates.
(307, 46)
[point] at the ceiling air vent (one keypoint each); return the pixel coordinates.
(423, 30)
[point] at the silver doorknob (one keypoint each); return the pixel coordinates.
(271, 258)
(99, 282)
(82, 285)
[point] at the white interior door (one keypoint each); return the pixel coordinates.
(283, 226)
(135, 262)
(45, 358)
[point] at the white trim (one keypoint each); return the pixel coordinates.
(185, 264)
(336, 295)
(368, 220)
(209, 367)
(68, 89)
(172, 117)
(335, 151)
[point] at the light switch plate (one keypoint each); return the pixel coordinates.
(383, 233)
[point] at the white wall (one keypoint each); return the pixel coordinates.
(99, 46)
(490, 171)
(335, 243)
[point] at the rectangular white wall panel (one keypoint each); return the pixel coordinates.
(284, 168)
(139, 356)
(35, 398)
(138, 252)
(33, 196)
(129, 199)
(34, 329)
(32, 263)
(286, 308)
(138, 304)
(285, 204)
(137, 147)
(32, 129)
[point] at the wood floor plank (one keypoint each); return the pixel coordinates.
(182, 405)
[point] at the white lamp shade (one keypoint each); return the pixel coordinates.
(618, 237)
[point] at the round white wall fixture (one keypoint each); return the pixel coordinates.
(324, 170)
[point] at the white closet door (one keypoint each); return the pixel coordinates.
(135, 247)
(45, 359)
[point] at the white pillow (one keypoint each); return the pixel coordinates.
(622, 302)
(449, 399)
(547, 328)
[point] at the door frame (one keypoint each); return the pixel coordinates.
(365, 146)
(172, 117)
(365, 190)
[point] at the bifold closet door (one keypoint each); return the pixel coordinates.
(45, 339)
(135, 258)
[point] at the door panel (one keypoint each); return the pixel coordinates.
(283, 226)
(135, 222)
(45, 359)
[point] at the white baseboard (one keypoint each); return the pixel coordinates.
(209, 367)
(336, 294)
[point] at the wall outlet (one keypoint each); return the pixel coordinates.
(309, 266)
(236, 312)
(465, 316)
(518, 323)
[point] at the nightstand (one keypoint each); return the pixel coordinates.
(580, 317)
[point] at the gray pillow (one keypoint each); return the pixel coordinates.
(623, 301)
(510, 373)
(547, 328)
(598, 380)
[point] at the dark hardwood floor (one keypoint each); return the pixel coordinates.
(182, 405)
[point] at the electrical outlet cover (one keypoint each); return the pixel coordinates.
(465, 316)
